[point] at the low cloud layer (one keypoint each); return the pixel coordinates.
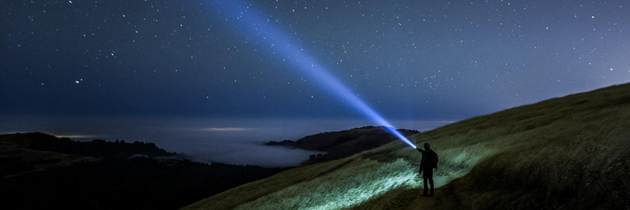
(233, 141)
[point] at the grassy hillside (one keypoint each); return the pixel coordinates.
(564, 153)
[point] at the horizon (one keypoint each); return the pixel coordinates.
(232, 141)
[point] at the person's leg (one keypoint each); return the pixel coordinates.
(426, 182)
(430, 175)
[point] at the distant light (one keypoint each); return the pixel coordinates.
(226, 129)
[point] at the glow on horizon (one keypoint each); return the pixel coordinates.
(254, 24)
(226, 129)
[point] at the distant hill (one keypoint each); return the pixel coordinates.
(561, 153)
(40, 171)
(341, 144)
(21, 153)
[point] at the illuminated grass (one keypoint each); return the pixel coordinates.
(342, 188)
(365, 179)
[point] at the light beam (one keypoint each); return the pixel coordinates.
(255, 24)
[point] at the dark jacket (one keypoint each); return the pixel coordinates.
(429, 159)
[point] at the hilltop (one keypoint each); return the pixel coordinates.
(562, 153)
(341, 144)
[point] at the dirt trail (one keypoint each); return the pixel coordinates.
(412, 199)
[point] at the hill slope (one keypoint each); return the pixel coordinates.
(562, 153)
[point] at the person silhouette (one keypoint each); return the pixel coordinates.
(427, 164)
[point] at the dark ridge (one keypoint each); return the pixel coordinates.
(41, 171)
(94, 148)
(285, 143)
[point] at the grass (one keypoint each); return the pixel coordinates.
(562, 153)
(346, 187)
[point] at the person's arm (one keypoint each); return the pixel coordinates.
(437, 161)
(420, 150)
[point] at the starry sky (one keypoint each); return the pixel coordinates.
(407, 59)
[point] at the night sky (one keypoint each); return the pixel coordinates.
(409, 60)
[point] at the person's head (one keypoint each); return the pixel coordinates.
(427, 146)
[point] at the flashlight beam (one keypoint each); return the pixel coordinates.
(255, 24)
